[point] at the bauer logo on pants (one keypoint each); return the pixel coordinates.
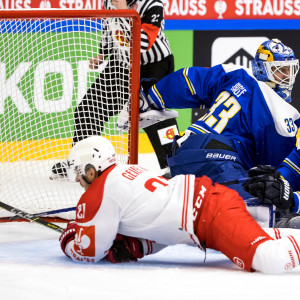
(166, 135)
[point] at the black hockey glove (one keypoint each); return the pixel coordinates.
(125, 249)
(264, 170)
(147, 83)
(271, 190)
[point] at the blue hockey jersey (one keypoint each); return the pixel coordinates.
(262, 126)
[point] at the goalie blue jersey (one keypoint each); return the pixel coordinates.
(262, 126)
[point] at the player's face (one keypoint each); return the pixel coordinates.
(282, 74)
(85, 180)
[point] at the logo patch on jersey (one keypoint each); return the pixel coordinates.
(85, 241)
(238, 89)
(166, 135)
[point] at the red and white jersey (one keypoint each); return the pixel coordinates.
(133, 201)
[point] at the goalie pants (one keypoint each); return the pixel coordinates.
(212, 155)
(224, 224)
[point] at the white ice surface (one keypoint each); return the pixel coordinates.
(32, 266)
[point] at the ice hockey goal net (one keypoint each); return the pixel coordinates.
(44, 79)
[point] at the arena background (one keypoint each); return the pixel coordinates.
(206, 33)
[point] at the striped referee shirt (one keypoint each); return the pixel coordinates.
(154, 44)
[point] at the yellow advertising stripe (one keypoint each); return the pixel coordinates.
(144, 144)
(43, 149)
(34, 150)
(56, 148)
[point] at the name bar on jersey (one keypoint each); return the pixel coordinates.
(185, 9)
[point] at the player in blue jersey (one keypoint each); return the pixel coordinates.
(249, 121)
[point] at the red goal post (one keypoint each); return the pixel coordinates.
(44, 56)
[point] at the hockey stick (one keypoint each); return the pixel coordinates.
(236, 181)
(52, 212)
(46, 213)
(31, 217)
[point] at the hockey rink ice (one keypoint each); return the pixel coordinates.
(32, 266)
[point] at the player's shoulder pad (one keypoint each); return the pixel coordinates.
(90, 202)
(279, 109)
(235, 68)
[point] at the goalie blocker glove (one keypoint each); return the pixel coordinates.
(267, 185)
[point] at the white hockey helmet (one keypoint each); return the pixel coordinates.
(95, 151)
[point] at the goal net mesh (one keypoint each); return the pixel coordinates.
(51, 97)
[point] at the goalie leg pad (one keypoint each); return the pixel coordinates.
(152, 117)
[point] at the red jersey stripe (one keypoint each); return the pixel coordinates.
(185, 202)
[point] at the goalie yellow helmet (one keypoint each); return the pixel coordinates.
(276, 65)
(95, 151)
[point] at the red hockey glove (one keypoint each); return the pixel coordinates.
(125, 249)
(67, 236)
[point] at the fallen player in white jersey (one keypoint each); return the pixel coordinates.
(128, 212)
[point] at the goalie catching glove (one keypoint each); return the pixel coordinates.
(125, 249)
(267, 185)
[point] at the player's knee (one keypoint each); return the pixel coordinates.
(275, 257)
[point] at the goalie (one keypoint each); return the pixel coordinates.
(126, 208)
(249, 122)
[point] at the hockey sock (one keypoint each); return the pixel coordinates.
(279, 255)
